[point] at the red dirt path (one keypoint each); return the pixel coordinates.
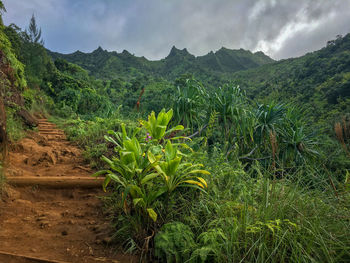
(58, 225)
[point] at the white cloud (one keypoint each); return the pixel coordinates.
(280, 28)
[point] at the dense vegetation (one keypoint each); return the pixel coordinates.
(223, 173)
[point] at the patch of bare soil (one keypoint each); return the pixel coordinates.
(41, 223)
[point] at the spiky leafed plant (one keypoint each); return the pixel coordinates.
(268, 118)
(235, 119)
(189, 104)
(296, 142)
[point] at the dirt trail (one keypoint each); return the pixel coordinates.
(61, 221)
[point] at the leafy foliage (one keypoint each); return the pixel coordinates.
(174, 242)
(148, 174)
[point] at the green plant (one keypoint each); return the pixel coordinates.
(157, 126)
(188, 104)
(147, 174)
(174, 243)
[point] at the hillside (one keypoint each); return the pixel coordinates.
(319, 81)
(107, 65)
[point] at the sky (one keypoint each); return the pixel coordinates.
(279, 28)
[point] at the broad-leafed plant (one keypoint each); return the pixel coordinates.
(147, 173)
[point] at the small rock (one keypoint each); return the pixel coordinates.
(45, 224)
(33, 250)
(41, 218)
(65, 213)
(71, 222)
(107, 240)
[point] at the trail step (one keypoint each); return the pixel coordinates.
(16, 258)
(51, 132)
(56, 181)
(6, 257)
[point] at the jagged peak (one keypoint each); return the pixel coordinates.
(78, 52)
(175, 52)
(98, 50)
(125, 52)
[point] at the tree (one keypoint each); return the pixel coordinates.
(33, 33)
(2, 10)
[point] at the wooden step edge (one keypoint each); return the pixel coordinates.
(11, 257)
(55, 181)
(46, 133)
(48, 129)
(52, 133)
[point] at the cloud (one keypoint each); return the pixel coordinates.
(280, 28)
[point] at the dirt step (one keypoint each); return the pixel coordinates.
(46, 124)
(50, 129)
(47, 128)
(15, 258)
(55, 181)
(52, 132)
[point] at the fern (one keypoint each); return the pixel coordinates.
(211, 246)
(174, 243)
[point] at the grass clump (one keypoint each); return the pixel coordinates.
(14, 126)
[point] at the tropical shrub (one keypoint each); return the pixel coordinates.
(148, 173)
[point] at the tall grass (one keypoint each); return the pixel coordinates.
(248, 217)
(14, 126)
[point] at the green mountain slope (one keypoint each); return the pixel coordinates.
(107, 65)
(319, 81)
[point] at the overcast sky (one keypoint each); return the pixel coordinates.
(279, 28)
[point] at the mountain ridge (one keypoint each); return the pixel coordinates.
(100, 61)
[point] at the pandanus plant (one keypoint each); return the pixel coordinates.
(189, 104)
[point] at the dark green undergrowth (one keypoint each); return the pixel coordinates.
(89, 134)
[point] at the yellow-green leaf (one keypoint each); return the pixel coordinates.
(203, 181)
(199, 172)
(152, 214)
(195, 182)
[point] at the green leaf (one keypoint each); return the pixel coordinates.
(106, 182)
(199, 172)
(102, 172)
(149, 177)
(152, 214)
(140, 201)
